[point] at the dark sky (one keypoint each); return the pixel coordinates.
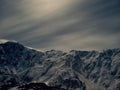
(61, 24)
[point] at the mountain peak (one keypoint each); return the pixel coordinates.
(73, 70)
(3, 41)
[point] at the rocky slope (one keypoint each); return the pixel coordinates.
(30, 86)
(74, 70)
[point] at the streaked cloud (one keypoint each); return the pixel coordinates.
(68, 24)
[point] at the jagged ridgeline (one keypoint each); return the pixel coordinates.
(23, 68)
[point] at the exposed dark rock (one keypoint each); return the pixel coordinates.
(19, 65)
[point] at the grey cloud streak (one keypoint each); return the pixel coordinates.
(82, 25)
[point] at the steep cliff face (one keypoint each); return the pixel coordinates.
(75, 70)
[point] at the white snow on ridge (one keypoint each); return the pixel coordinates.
(2, 41)
(34, 49)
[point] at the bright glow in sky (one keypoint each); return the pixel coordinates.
(47, 8)
(61, 24)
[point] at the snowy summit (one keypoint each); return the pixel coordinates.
(2, 41)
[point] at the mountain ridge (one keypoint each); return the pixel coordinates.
(74, 70)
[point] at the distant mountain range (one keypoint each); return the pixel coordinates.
(23, 68)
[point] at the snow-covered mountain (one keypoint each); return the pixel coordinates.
(74, 70)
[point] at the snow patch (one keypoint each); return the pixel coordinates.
(3, 41)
